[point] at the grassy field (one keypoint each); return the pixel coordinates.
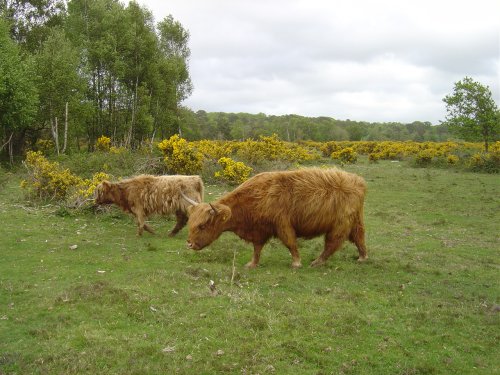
(426, 301)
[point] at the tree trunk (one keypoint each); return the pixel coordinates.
(152, 140)
(485, 134)
(134, 108)
(55, 133)
(65, 128)
(11, 152)
(8, 142)
(10, 148)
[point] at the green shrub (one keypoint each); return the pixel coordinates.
(485, 162)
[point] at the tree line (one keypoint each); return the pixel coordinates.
(240, 126)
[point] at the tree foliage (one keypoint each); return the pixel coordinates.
(30, 21)
(472, 113)
(59, 84)
(18, 94)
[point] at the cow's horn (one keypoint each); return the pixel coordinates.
(213, 209)
(194, 203)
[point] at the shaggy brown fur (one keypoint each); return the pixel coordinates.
(145, 195)
(303, 203)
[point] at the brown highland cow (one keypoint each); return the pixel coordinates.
(145, 195)
(302, 203)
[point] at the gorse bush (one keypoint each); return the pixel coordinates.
(271, 152)
(233, 172)
(214, 150)
(185, 157)
(272, 149)
(45, 146)
(103, 144)
(452, 159)
(328, 148)
(84, 191)
(485, 162)
(181, 157)
(346, 155)
(424, 157)
(48, 180)
(117, 150)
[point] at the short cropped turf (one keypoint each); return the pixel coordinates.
(81, 293)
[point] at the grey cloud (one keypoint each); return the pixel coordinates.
(376, 61)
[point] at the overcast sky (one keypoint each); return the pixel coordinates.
(384, 60)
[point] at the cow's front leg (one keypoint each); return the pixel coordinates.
(148, 228)
(287, 235)
(182, 220)
(257, 248)
(141, 224)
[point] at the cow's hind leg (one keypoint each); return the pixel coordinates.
(332, 244)
(182, 220)
(257, 248)
(357, 237)
(287, 235)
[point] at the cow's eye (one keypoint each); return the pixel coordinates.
(201, 227)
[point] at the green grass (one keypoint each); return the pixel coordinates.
(426, 301)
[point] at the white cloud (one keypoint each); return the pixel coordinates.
(375, 61)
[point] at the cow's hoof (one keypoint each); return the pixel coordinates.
(318, 262)
(362, 259)
(251, 265)
(296, 265)
(171, 234)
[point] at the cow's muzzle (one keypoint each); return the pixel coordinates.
(193, 245)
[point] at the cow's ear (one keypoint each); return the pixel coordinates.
(225, 213)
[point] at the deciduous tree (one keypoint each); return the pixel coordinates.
(58, 81)
(472, 112)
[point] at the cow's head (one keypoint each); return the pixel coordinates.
(206, 223)
(103, 193)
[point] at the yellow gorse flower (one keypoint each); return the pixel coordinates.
(48, 180)
(103, 143)
(181, 156)
(233, 172)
